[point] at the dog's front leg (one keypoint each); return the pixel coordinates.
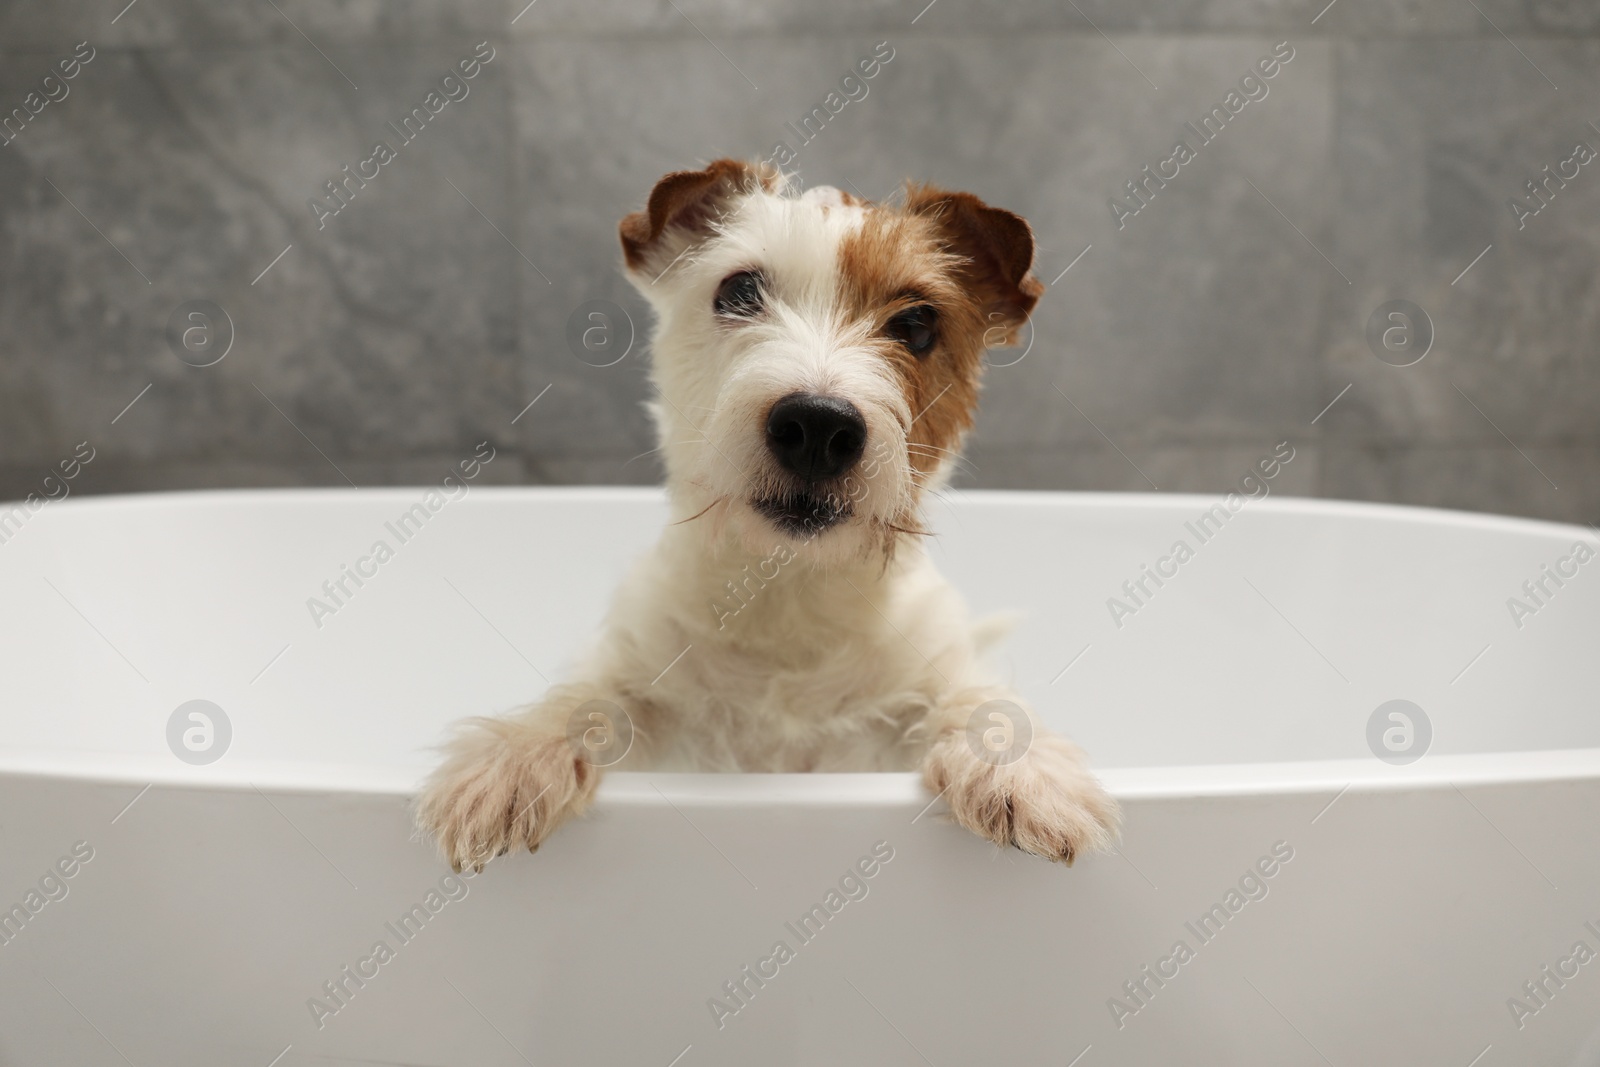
(1009, 781)
(511, 781)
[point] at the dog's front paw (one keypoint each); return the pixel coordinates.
(1046, 803)
(504, 785)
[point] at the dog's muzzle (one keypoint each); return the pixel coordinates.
(817, 440)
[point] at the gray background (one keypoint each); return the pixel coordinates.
(1223, 319)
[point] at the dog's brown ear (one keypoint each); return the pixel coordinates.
(683, 205)
(996, 245)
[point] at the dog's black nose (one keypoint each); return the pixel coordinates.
(816, 437)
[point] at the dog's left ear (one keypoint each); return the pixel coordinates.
(996, 245)
(683, 207)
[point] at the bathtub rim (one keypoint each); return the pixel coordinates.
(627, 789)
(1282, 503)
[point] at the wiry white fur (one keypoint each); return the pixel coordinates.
(841, 656)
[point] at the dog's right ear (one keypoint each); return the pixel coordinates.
(682, 209)
(996, 248)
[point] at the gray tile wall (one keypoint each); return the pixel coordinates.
(1222, 318)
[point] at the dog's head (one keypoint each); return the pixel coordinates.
(817, 356)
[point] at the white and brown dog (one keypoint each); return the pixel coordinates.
(817, 361)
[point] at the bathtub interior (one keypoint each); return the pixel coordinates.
(1272, 644)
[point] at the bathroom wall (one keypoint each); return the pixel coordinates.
(1174, 347)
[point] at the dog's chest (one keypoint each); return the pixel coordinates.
(815, 671)
(840, 703)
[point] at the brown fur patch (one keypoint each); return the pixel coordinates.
(995, 245)
(969, 261)
(688, 200)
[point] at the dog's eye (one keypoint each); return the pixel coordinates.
(916, 328)
(739, 295)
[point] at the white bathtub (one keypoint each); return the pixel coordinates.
(1230, 714)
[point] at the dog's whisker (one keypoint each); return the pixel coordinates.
(944, 456)
(702, 511)
(641, 455)
(955, 459)
(911, 471)
(919, 449)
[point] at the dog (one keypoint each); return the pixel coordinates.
(816, 362)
